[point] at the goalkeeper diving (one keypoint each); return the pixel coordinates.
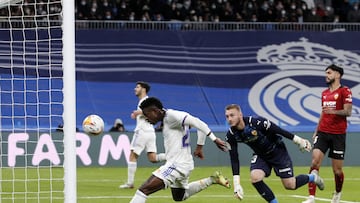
(265, 139)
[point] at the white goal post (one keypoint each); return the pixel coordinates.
(69, 115)
(37, 101)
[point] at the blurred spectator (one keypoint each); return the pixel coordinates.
(123, 11)
(313, 17)
(174, 13)
(266, 12)
(354, 14)
(300, 15)
(250, 10)
(328, 14)
(199, 10)
(132, 16)
(292, 12)
(343, 11)
(118, 126)
(336, 19)
(82, 10)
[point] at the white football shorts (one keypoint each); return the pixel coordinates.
(143, 140)
(173, 176)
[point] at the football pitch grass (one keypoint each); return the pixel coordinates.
(100, 185)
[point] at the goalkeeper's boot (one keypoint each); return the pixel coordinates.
(310, 199)
(218, 178)
(126, 186)
(318, 180)
(336, 197)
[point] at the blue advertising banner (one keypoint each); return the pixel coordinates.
(278, 75)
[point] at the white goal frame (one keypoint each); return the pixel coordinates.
(69, 92)
(67, 50)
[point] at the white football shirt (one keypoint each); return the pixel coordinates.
(141, 123)
(176, 132)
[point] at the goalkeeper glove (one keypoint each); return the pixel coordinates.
(303, 144)
(238, 190)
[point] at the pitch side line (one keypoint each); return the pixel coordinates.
(269, 179)
(320, 199)
(209, 196)
(193, 197)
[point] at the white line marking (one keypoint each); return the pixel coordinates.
(321, 199)
(268, 179)
(208, 196)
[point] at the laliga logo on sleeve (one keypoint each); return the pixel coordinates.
(287, 97)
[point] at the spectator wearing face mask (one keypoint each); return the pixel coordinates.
(123, 11)
(266, 12)
(354, 14)
(328, 14)
(218, 10)
(313, 17)
(118, 126)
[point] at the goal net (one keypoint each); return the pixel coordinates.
(32, 85)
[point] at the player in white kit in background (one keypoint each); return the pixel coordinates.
(144, 137)
(179, 160)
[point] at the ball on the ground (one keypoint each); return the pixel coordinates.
(93, 125)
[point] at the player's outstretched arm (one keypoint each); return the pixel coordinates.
(203, 129)
(303, 144)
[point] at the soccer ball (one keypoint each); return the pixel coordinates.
(93, 125)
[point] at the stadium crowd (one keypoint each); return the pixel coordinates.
(220, 10)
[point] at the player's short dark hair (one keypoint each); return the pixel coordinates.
(151, 101)
(144, 85)
(336, 68)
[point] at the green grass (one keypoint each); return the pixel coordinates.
(100, 185)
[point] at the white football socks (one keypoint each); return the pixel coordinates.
(132, 166)
(197, 186)
(139, 197)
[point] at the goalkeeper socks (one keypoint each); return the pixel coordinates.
(302, 179)
(139, 197)
(132, 166)
(160, 157)
(197, 186)
(264, 191)
(339, 180)
(274, 201)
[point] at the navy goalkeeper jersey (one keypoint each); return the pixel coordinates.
(260, 134)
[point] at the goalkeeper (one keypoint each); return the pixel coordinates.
(265, 139)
